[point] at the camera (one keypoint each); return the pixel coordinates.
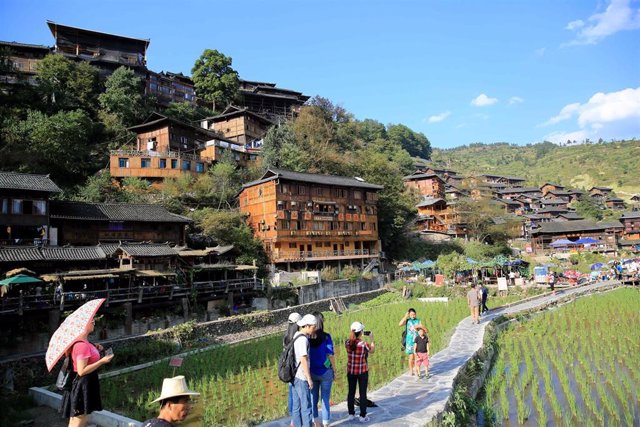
(366, 333)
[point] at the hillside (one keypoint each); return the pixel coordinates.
(612, 164)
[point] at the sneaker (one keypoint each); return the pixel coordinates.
(351, 417)
(364, 419)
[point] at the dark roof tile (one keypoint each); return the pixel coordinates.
(25, 181)
(341, 181)
(114, 212)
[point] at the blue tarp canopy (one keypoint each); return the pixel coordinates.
(586, 241)
(515, 262)
(471, 261)
(597, 266)
(563, 242)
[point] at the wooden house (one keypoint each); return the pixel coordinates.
(105, 51)
(426, 184)
(607, 233)
(548, 186)
(169, 87)
(435, 215)
(631, 223)
(270, 101)
(309, 220)
(239, 125)
(24, 209)
(22, 59)
(512, 181)
(600, 192)
(514, 192)
(615, 203)
(82, 223)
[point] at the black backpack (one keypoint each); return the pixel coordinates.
(287, 366)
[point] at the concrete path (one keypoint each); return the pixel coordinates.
(408, 402)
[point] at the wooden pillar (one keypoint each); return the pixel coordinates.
(128, 320)
(54, 320)
(230, 299)
(185, 308)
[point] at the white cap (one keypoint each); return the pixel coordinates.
(308, 319)
(294, 318)
(357, 327)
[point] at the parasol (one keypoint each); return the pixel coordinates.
(71, 329)
(20, 278)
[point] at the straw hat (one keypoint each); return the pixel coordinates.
(173, 387)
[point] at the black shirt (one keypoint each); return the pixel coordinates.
(421, 344)
(157, 422)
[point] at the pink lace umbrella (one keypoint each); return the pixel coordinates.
(70, 330)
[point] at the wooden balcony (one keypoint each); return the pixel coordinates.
(320, 255)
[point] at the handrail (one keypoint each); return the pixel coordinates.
(170, 154)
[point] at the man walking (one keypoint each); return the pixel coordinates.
(485, 295)
(301, 411)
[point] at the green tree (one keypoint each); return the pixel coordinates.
(67, 85)
(589, 208)
(124, 97)
(280, 150)
(186, 112)
(214, 78)
(415, 143)
(452, 262)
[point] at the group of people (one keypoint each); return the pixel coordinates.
(315, 359)
(477, 301)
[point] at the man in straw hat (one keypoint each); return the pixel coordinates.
(174, 401)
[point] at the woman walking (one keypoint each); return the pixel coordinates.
(358, 351)
(292, 328)
(84, 396)
(473, 300)
(410, 322)
(323, 370)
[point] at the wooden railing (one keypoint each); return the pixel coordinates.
(168, 154)
(138, 294)
(304, 255)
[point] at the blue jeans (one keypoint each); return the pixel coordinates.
(290, 400)
(301, 413)
(322, 386)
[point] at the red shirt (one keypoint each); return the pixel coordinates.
(84, 350)
(357, 359)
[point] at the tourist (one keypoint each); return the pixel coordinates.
(323, 370)
(301, 412)
(551, 278)
(410, 321)
(84, 396)
(512, 278)
(485, 295)
(292, 328)
(473, 300)
(175, 403)
(358, 351)
(421, 350)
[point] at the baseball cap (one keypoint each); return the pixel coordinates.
(294, 318)
(308, 319)
(357, 327)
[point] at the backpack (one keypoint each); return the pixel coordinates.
(66, 374)
(404, 337)
(287, 366)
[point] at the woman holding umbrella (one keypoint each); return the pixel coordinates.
(72, 338)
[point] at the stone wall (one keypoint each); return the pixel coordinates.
(21, 373)
(337, 288)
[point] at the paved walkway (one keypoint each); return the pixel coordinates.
(407, 402)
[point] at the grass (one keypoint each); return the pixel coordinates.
(576, 365)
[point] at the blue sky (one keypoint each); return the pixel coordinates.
(459, 71)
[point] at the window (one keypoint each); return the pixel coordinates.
(174, 164)
(186, 165)
(145, 163)
(293, 246)
(200, 167)
(302, 189)
(123, 162)
(317, 191)
(363, 226)
(284, 224)
(163, 163)
(357, 195)
(5, 206)
(39, 207)
(16, 206)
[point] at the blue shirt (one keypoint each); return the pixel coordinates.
(318, 356)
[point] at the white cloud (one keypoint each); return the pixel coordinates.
(619, 15)
(515, 100)
(574, 25)
(541, 51)
(483, 100)
(613, 115)
(439, 117)
(565, 114)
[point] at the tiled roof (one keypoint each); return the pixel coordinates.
(574, 226)
(26, 181)
(113, 212)
(422, 176)
(428, 201)
(553, 201)
(314, 178)
(519, 190)
(551, 210)
(51, 253)
(148, 250)
(571, 216)
(630, 215)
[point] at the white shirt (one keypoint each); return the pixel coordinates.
(301, 348)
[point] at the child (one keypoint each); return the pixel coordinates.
(421, 350)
